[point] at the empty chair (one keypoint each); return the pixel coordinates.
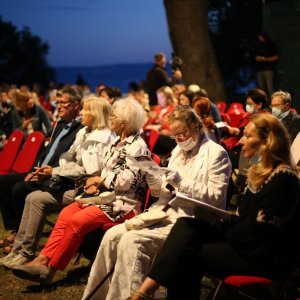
(235, 105)
(151, 137)
(10, 151)
(221, 106)
(29, 152)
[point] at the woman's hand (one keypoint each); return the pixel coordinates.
(92, 185)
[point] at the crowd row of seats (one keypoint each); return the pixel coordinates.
(20, 153)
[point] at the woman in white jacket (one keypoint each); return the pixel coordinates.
(198, 167)
(85, 156)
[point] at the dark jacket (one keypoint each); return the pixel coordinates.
(64, 144)
(157, 77)
(292, 124)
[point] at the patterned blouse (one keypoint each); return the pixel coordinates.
(125, 178)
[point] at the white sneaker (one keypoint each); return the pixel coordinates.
(8, 257)
(15, 261)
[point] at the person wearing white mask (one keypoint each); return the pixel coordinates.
(199, 168)
(281, 109)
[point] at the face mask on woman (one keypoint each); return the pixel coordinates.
(250, 108)
(276, 112)
(188, 144)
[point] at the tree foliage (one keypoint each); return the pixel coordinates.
(22, 56)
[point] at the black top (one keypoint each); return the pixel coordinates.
(156, 78)
(264, 230)
(292, 124)
(266, 49)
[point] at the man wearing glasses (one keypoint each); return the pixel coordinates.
(13, 187)
(281, 109)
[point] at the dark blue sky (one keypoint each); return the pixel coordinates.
(93, 32)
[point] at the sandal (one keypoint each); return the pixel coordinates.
(141, 295)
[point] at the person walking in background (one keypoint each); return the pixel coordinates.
(157, 77)
(266, 58)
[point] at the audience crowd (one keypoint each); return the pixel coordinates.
(153, 228)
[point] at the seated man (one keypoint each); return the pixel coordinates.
(13, 188)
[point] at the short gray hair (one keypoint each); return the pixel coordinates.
(131, 112)
(285, 97)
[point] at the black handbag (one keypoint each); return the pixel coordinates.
(53, 185)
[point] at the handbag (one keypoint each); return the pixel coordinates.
(53, 185)
(146, 219)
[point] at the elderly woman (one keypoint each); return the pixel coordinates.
(259, 241)
(118, 174)
(199, 168)
(85, 156)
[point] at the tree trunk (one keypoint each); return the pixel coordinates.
(190, 37)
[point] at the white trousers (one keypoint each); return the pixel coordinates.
(130, 254)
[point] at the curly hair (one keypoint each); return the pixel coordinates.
(202, 106)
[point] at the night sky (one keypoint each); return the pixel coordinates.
(93, 32)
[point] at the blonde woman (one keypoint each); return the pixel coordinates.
(261, 240)
(85, 156)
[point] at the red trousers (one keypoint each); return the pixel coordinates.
(73, 223)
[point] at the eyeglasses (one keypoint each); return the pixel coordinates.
(276, 105)
(179, 135)
(63, 103)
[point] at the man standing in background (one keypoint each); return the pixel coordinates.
(266, 58)
(157, 77)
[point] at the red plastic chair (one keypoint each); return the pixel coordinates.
(222, 105)
(151, 137)
(235, 105)
(10, 151)
(225, 117)
(236, 117)
(29, 152)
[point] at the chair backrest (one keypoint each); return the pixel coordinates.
(10, 151)
(29, 152)
(236, 117)
(222, 105)
(151, 137)
(235, 105)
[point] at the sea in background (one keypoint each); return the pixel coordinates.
(118, 75)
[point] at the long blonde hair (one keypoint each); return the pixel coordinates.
(274, 149)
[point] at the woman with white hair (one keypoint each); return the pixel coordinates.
(119, 174)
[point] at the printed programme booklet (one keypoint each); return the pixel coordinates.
(147, 164)
(182, 200)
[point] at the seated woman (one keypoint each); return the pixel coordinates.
(158, 120)
(259, 241)
(199, 168)
(85, 156)
(202, 106)
(118, 174)
(29, 116)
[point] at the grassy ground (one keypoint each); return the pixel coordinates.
(67, 285)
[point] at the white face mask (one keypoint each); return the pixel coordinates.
(249, 108)
(276, 112)
(188, 144)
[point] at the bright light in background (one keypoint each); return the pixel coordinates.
(93, 32)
